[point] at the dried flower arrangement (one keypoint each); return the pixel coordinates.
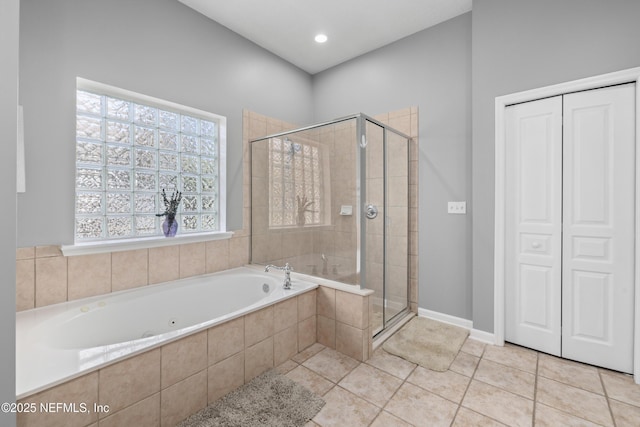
(171, 207)
(303, 205)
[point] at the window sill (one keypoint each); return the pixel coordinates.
(90, 248)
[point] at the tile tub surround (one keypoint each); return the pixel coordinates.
(344, 320)
(63, 341)
(44, 276)
(164, 385)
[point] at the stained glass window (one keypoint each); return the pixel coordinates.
(129, 148)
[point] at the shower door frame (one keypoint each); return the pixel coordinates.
(361, 187)
(361, 183)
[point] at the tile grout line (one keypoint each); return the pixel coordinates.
(492, 385)
(404, 381)
(535, 390)
(337, 383)
(381, 408)
(606, 396)
(475, 369)
(564, 383)
(564, 411)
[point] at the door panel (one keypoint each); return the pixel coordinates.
(599, 224)
(374, 226)
(536, 291)
(387, 245)
(396, 225)
(533, 238)
(592, 307)
(591, 248)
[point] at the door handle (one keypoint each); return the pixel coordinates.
(371, 211)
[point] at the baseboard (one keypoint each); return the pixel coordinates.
(446, 318)
(482, 336)
(476, 334)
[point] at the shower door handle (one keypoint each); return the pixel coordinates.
(371, 211)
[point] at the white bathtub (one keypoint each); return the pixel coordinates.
(63, 341)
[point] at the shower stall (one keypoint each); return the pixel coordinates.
(332, 200)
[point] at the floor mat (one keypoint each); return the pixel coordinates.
(270, 399)
(429, 343)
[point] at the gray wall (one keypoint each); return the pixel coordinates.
(159, 48)
(9, 32)
(520, 45)
(432, 70)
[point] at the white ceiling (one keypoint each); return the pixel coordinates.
(354, 27)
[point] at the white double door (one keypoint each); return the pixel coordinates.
(569, 288)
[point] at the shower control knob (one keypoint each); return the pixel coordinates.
(371, 211)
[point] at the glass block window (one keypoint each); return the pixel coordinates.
(295, 183)
(128, 148)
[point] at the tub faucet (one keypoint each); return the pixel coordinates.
(287, 274)
(325, 260)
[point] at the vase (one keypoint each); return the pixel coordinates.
(170, 227)
(301, 219)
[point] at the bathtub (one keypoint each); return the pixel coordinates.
(64, 341)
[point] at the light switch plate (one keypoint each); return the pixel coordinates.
(457, 207)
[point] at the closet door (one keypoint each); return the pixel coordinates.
(599, 227)
(533, 230)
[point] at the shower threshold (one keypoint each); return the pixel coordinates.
(396, 323)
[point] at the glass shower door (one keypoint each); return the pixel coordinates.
(374, 219)
(396, 225)
(385, 222)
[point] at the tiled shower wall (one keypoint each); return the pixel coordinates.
(339, 240)
(268, 246)
(303, 247)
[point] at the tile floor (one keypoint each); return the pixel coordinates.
(485, 386)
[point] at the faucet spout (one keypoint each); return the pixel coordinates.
(287, 273)
(325, 260)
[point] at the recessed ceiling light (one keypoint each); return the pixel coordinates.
(321, 38)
